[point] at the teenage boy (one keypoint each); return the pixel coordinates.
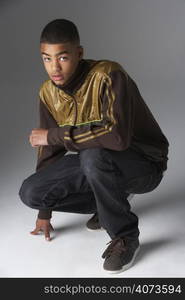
(94, 109)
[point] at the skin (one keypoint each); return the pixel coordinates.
(60, 62)
(43, 226)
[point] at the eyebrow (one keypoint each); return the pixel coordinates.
(59, 53)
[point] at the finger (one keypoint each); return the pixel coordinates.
(34, 130)
(47, 236)
(51, 228)
(36, 231)
(30, 139)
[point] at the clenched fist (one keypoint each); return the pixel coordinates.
(38, 137)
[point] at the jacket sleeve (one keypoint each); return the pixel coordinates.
(116, 127)
(49, 153)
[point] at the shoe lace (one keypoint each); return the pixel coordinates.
(117, 246)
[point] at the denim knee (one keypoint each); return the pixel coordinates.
(27, 193)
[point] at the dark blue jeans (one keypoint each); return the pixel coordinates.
(94, 180)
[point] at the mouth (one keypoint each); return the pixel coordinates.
(57, 77)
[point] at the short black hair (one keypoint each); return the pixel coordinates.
(60, 31)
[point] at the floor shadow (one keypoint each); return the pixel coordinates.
(63, 229)
(172, 198)
(148, 248)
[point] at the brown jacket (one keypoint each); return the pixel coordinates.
(101, 106)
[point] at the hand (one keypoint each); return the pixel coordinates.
(38, 137)
(43, 226)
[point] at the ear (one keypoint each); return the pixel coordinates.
(81, 52)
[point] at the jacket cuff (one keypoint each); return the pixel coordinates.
(45, 214)
(55, 136)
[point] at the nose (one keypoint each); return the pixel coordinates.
(56, 66)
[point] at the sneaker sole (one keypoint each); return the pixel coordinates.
(125, 267)
(98, 229)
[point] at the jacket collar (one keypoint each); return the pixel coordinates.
(77, 78)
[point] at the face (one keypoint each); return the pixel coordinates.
(60, 60)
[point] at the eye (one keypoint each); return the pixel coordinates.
(46, 58)
(62, 58)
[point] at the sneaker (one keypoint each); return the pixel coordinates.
(93, 223)
(120, 254)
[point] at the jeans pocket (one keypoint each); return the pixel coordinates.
(144, 184)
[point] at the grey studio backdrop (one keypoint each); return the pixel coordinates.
(147, 38)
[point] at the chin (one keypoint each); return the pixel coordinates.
(62, 82)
